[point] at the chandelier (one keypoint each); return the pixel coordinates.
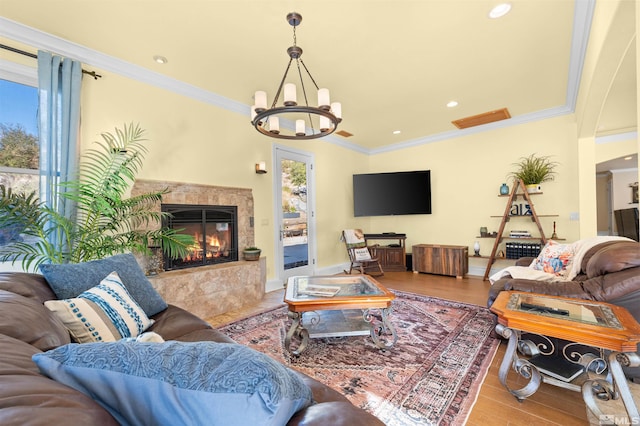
(311, 122)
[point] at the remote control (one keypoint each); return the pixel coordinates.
(545, 309)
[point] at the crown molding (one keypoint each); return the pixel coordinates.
(513, 121)
(19, 73)
(620, 137)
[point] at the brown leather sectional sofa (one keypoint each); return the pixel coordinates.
(609, 272)
(29, 398)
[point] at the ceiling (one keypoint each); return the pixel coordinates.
(394, 65)
(628, 162)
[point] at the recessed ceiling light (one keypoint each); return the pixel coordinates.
(500, 10)
(160, 59)
(397, 132)
(452, 104)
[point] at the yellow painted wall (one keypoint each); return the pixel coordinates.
(190, 141)
(466, 174)
(602, 194)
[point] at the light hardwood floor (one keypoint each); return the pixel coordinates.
(495, 406)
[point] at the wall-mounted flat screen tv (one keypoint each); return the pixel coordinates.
(396, 193)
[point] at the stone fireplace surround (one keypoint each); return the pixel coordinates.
(211, 290)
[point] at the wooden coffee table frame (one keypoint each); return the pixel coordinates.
(621, 341)
(376, 309)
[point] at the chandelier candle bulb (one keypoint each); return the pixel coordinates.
(254, 113)
(336, 109)
(274, 125)
(323, 99)
(300, 128)
(290, 94)
(325, 124)
(260, 101)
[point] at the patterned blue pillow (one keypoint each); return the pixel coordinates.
(104, 313)
(180, 383)
(71, 279)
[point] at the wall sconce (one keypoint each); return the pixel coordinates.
(261, 168)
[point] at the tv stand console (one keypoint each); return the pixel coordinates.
(391, 253)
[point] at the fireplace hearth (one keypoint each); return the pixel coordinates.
(214, 229)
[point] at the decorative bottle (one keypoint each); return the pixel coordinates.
(476, 248)
(504, 189)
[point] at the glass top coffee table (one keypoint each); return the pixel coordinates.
(338, 305)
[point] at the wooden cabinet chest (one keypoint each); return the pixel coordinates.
(441, 259)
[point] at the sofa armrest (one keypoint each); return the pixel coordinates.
(175, 323)
(558, 288)
(524, 261)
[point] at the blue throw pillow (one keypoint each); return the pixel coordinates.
(70, 279)
(179, 383)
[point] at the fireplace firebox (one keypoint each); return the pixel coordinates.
(214, 229)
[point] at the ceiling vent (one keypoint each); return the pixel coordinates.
(484, 118)
(344, 133)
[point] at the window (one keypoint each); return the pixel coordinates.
(19, 147)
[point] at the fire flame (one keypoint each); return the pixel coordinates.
(214, 248)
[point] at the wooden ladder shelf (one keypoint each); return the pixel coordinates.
(519, 185)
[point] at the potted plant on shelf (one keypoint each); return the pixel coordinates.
(106, 223)
(534, 170)
(251, 253)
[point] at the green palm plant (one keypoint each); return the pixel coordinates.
(106, 223)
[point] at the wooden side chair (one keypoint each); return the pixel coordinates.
(359, 254)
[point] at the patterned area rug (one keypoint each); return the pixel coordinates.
(432, 375)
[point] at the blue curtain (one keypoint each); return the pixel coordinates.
(59, 81)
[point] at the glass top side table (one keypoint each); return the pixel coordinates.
(586, 322)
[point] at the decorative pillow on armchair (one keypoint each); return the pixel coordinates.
(180, 383)
(362, 254)
(554, 258)
(105, 313)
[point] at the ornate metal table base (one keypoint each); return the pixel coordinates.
(380, 327)
(298, 331)
(614, 386)
(519, 365)
(377, 324)
(610, 390)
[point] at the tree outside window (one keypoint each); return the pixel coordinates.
(19, 147)
(19, 144)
